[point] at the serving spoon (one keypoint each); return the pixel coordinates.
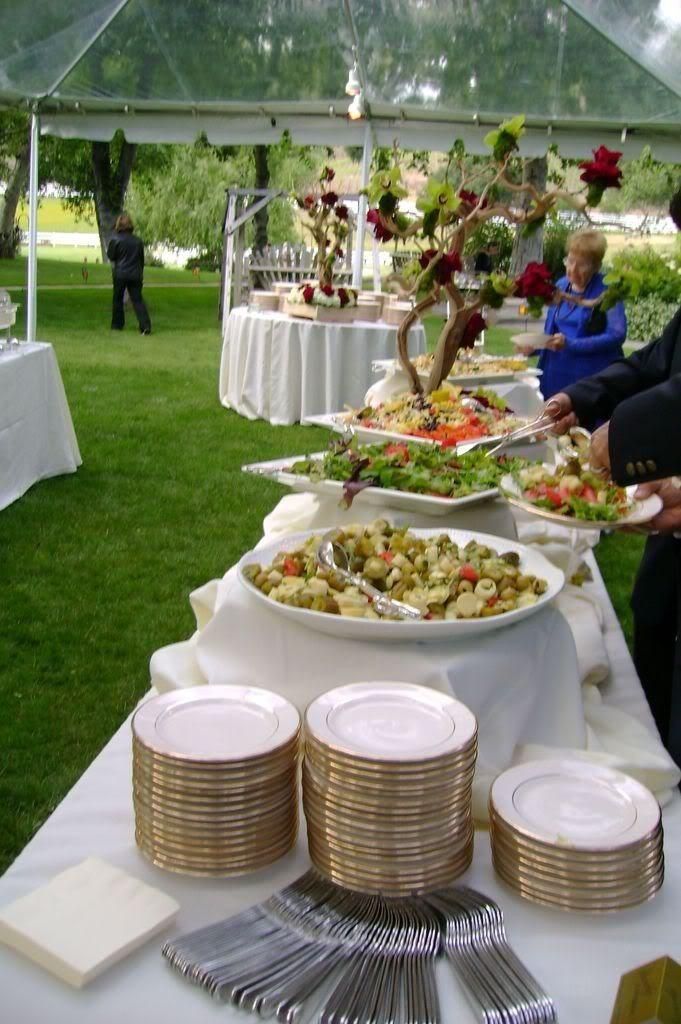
(332, 555)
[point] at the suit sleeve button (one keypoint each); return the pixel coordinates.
(651, 466)
(630, 469)
(640, 468)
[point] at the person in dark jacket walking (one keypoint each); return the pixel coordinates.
(126, 253)
(640, 398)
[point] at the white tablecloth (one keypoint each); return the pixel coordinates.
(578, 958)
(282, 369)
(37, 439)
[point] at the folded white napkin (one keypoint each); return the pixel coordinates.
(585, 618)
(85, 919)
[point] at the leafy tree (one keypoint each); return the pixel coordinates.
(99, 173)
(648, 185)
(14, 160)
(184, 207)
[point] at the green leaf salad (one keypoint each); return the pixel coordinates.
(419, 469)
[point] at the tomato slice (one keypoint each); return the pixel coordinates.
(291, 567)
(387, 556)
(469, 573)
(588, 493)
(397, 449)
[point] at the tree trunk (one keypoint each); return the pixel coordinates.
(111, 185)
(261, 218)
(262, 180)
(15, 189)
(529, 249)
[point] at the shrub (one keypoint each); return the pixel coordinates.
(556, 233)
(647, 318)
(493, 232)
(207, 261)
(653, 274)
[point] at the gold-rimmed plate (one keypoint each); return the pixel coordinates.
(216, 723)
(575, 804)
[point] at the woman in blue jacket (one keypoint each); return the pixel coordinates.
(583, 340)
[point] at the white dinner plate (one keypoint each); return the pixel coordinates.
(534, 338)
(640, 511)
(383, 497)
(392, 365)
(216, 723)
(425, 631)
(390, 721)
(575, 804)
(340, 424)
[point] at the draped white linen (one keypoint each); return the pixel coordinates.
(37, 439)
(278, 368)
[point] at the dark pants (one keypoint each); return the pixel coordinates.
(656, 602)
(134, 289)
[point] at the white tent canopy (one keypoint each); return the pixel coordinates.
(245, 70)
(584, 72)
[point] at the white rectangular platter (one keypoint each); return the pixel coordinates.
(466, 380)
(384, 497)
(335, 421)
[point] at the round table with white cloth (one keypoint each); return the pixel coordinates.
(281, 368)
(37, 439)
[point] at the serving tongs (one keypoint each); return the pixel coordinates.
(332, 555)
(534, 428)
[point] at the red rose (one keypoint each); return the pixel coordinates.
(343, 296)
(329, 199)
(309, 201)
(339, 252)
(448, 264)
(473, 328)
(535, 281)
(381, 232)
(327, 289)
(328, 174)
(471, 199)
(602, 170)
(342, 211)
(308, 293)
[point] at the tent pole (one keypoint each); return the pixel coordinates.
(362, 209)
(33, 229)
(229, 260)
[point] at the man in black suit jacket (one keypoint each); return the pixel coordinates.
(640, 398)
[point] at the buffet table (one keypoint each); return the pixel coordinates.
(282, 369)
(37, 439)
(578, 958)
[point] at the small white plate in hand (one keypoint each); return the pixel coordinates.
(531, 339)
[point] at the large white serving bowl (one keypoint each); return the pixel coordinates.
(434, 631)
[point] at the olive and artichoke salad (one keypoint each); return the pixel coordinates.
(433, 574)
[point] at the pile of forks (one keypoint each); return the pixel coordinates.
(317, 951)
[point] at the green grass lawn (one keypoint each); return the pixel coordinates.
(96, 567)
(64, 265)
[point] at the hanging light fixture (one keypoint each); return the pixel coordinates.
(352, 86)
(356, 108)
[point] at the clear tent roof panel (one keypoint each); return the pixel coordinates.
(425, 59)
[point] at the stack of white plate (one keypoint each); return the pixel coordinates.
(215, 779)
(387, 780)
(576, 836)
(264, 300)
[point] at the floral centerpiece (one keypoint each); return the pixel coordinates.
(327, 220)
(449, 210)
